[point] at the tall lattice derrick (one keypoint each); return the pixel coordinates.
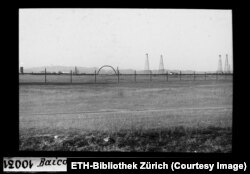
(226, 68)
(161, 66)
(146, 69)
(220, 65)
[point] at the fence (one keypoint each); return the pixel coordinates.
(71, 78)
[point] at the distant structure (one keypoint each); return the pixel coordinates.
(161, 66)
(146, 69)
(220, 65)
(226, 67)
(21, 70)
(76, 70)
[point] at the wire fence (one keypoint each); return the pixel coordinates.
(71, 78)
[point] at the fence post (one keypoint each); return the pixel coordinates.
(167, 75)
(194, 75)
(205, 75)
(70, 76)
(135, 75)
(45, 75)
(180, 75)
(95, 76)
(216, 75)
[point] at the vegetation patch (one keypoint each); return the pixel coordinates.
(174, 139)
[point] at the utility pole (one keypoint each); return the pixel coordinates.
(45, 75)
(95, 76)
(135, 75)
(150, 75)
(70, 76)
(118, 74)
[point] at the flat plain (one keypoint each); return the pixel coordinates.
(165, 116)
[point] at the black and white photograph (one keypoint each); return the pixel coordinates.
(125, 80)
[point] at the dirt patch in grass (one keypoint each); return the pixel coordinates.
(176, 139)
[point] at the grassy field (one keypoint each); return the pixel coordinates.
(174, 116)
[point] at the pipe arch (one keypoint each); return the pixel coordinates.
(106, 66)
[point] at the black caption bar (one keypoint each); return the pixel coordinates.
(161, 165)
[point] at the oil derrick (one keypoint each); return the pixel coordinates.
(220, 65)
(161, 66)
(146, 69)
(226, 68)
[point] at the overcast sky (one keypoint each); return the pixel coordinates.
(187, 39)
